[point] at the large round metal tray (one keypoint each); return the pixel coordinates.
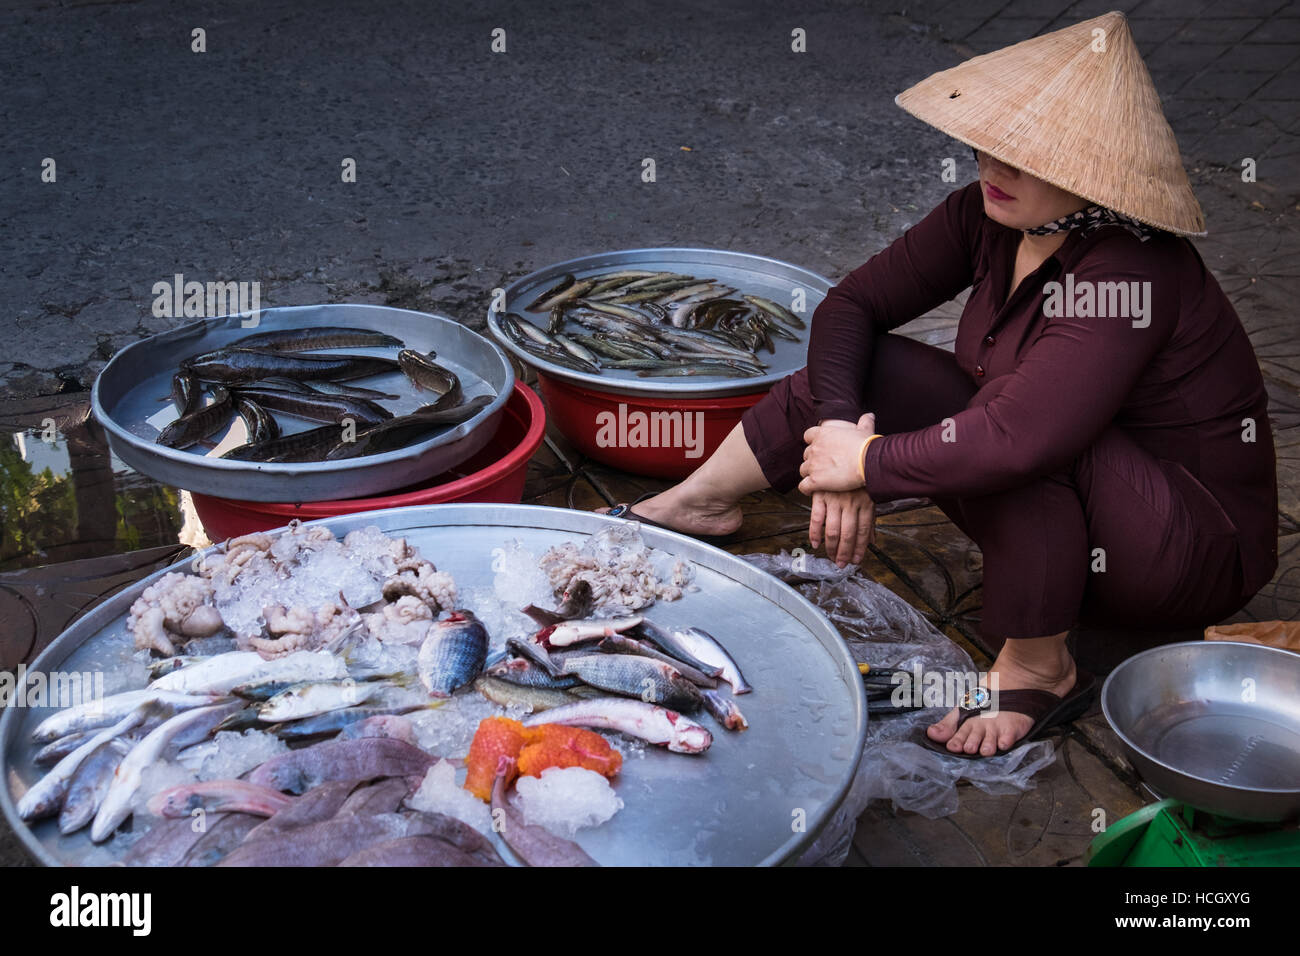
(1215, 724)
(757, 797)
(127, 392)
(754, 275)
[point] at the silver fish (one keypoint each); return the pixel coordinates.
(453, 653)
(46, 796)
(652, 681)
(90, 783)
(181, 730)
(703, 646)
(97, 714)
(220, 674)
(315, 698)
(338, 720)
(656, 725)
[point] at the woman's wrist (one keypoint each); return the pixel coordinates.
(862, 459)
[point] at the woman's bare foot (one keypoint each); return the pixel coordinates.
(1040, 663)
(708, 502)
(679, 509)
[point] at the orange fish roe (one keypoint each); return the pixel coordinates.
(495, 737)
(553, 745)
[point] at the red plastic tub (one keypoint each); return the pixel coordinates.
(663, 437)
(495, 474)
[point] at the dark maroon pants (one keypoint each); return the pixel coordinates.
(1170, 553)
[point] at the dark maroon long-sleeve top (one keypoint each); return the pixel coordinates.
(1182, 381)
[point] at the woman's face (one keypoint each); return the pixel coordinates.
(1018, 200)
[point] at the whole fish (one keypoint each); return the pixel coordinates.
(316, 337)
(621, 644)
(405, 430)
(184, 729)
(258, 422)
(615, 280)
(575, 632)
(778, 312)
(96, 714)
(330, 409)
(535, 845)
(724, 710)
(577, 601)
(327, 388)
(314, 698)
(46, 796)
(310, 445)
(220, 674)
(652, 681)
(722, 370)
(656, 725)
(670, 642)
(453, 653)
(186, 393)
(523, 697)
(218, 796)
(54, 752)
(362, 759)
(199, 424)
(567, 294)
(426, 374)
(242, 366)
(337, 720)
(700, 646)
(566, 282)
(90, 783)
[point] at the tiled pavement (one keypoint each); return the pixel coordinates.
(1230, 89)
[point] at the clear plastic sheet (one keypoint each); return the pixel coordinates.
(883, 630)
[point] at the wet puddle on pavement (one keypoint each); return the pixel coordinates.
(64, 496)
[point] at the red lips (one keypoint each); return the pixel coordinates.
(997, 194)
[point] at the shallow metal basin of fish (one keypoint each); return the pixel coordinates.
(749, 274)
(1215, 724)
(128, 392)
(757, 797)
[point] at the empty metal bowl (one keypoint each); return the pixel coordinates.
(1215, 724)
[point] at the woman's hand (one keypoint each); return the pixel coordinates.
(832, 458)
(845, 520)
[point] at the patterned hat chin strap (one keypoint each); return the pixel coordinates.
(1094, 217)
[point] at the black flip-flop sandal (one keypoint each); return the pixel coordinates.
(1047, 709)
(625, 512)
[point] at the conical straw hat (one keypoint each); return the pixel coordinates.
(1075, 108)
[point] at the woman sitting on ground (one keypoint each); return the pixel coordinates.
(1101, 431)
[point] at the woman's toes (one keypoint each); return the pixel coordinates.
(945, 728)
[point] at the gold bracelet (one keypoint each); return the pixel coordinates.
(862, 459)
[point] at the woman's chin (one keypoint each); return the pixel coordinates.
(1000, 215)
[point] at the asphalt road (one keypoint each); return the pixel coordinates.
(472, 166)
